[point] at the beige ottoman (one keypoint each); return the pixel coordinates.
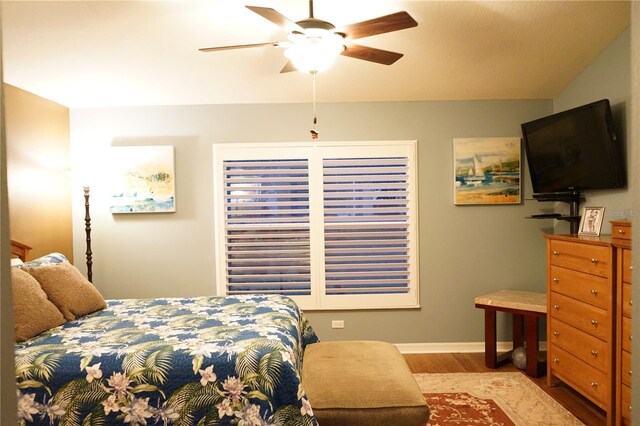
(361, 383)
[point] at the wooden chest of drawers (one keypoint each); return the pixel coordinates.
(622, 243)
(581, 322)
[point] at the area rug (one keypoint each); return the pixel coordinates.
(490, 399)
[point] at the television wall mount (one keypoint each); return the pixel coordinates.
(573, 198)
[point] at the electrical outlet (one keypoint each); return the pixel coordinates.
(337, 324)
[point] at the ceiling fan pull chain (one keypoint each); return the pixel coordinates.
(314, 134)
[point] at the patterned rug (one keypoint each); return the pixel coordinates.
(490, 399)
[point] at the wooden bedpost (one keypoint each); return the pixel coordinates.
(87, 228)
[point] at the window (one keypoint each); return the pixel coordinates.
(332, 225)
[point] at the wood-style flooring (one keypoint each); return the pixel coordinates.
(580, 407)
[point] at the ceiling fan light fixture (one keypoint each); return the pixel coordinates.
(314, 51)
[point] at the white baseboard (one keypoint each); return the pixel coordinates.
(461, 347)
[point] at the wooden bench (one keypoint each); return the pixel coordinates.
(355, 383)
(527, 308)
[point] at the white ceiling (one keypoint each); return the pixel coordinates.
(90, 53)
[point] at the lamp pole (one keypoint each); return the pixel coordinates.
(87, 228)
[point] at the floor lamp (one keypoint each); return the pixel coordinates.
(87, 228)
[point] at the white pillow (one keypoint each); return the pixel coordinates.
(16, 262)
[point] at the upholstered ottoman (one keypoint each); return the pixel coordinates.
(356, 383)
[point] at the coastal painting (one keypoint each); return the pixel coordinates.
(143, 179)
(487, 171)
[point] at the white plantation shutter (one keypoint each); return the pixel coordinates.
(332, 225)
(266, 220)
(366, 225)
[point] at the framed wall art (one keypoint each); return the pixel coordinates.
(142, 179)
(487, 171)
(591, 221)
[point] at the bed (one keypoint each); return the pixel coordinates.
(19, 250)
(171, 361)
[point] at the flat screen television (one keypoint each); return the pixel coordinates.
(574, 150)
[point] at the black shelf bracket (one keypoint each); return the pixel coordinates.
(573, 198)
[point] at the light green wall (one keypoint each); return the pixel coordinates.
(464, 250)
(609, 76)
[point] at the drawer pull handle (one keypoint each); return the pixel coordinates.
(621, 231)
(555, 280)
(594, 292)
(594, 260)
(630, 302)
(631, 268)
(594, 353)
(630, 372)
(555, 333)
(594, 384)
(556, 360)
(556, 307)
(594, 322)
(556, 253)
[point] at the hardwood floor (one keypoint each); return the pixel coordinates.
(580, 407)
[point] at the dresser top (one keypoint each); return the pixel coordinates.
(602, 240)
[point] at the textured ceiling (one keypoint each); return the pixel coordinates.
(89, 53)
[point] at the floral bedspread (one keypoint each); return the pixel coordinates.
(184, 361)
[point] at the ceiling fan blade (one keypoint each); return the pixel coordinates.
(371, 54)
(238, 46)
(288, 67)
(276, 17)
(384, 24)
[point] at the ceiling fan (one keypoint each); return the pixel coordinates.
(313, 44)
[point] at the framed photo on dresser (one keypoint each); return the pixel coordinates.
(591, 221)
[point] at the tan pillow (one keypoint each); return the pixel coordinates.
(68, 289)
(33, 312)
